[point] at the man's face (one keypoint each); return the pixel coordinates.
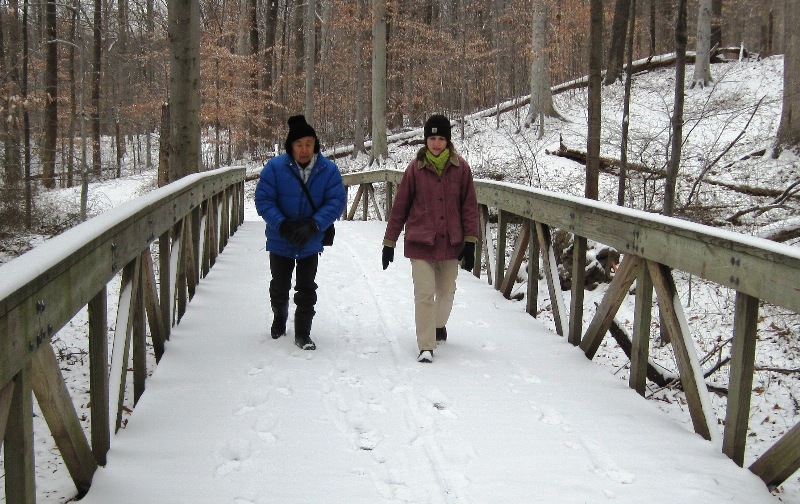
(303, 150)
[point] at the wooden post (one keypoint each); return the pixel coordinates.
(551, 274)
(640, 348)
(740, 383)
(500, 253)
(578, 292)
(532, 302)
(98, 375)
(18, 460)
(520, 247)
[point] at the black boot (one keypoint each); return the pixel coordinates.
(280, 312)
(302, 329)
(441, 334)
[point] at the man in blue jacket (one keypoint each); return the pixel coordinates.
(296, 218)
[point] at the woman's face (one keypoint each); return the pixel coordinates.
(303, 150)
(436, 144)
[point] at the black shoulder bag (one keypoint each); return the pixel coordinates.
(327, 239)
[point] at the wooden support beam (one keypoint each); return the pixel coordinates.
(551, 274)
(18, 456)
(688, 364)
(152, 306)
(782, 459)
(121, 344)
(6, 393)
(138, 333)
(640, 346)
(59, 413)
(374, 202)
(612, 300)
(356, 201)
(98, 376)
(532, 302)
(517, 257)
(365, 206)
(179, 254)
(390, 188)
(500, 253)
(165, 281)
(740, 383)
(485, 242)
(578, 290)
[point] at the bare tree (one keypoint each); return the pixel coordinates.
(51, 99)
(676, 121)
(626, 107)
(380, 147)
(616, 49)
(310, 57)
(788, 134)
(595, 100)
(541, 96)
(702, 65)
(184, 88)
(358, 142)
(96, 74)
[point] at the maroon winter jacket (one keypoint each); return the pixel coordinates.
(439, 213)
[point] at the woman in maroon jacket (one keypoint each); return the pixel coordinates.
(437, 204)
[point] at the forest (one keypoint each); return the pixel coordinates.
(77, 71)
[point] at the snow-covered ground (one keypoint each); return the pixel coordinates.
(745, 100)
(507, 412)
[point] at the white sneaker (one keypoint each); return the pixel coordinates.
(425, 356)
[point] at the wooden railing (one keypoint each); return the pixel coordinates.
(652, 246)
(41, 291)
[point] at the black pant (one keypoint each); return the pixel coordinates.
(305, 296)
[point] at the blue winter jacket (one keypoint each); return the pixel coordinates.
(279, 196)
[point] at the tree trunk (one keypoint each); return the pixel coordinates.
(73, 99)
(13, 141)
(616, 50)
(702, 64)
(51, 98)
(671, 181)
(626, 107)
(96, 74)
(358, 142)
(595, 100)
(184, 88)
(788, 134)
(541, 96)
(380, 147)
(252, 16)
(310, 35)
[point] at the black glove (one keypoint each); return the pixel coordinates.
(287, 228)
(468, 256)
(388, 256)
(306, 228)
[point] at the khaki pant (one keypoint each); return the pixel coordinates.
(434, 291)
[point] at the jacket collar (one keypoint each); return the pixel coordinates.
(423, 161)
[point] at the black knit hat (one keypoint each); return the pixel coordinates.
(299, 128)
(437, 125)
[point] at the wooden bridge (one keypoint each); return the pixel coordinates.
(186, 226)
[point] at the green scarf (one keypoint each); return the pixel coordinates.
(439, 161)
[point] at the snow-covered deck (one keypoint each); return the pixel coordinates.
(508, 412)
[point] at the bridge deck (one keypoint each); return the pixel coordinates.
(508, 412)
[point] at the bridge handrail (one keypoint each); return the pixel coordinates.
(652, 246)
(42, 290)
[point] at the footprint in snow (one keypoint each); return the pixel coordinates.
(233, 454)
